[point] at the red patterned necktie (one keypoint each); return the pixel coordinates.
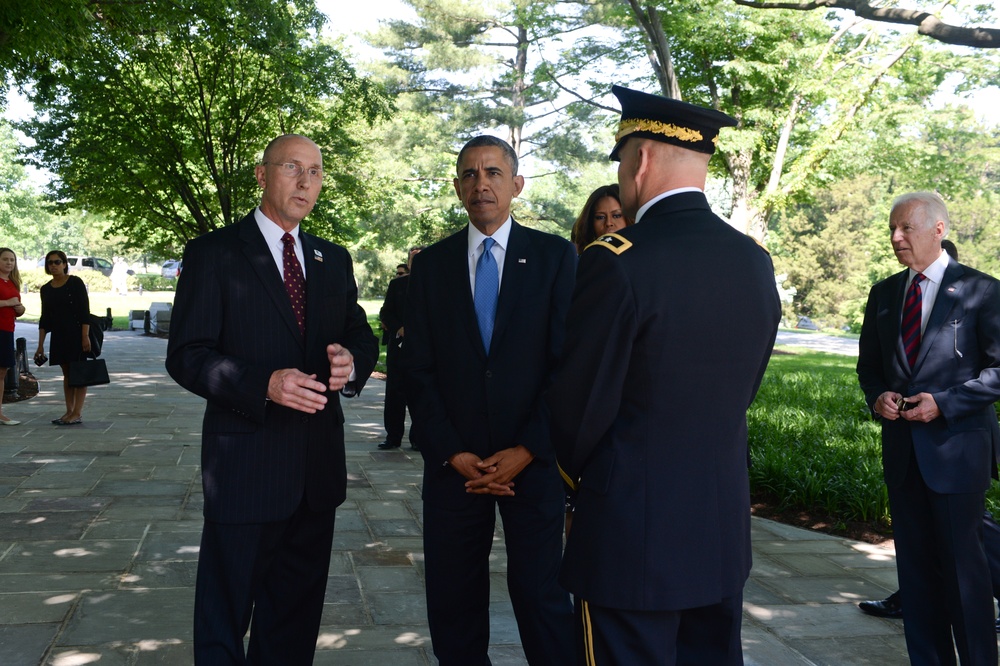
(295, 283)
(910, 329)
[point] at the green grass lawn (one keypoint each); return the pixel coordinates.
(814, 446)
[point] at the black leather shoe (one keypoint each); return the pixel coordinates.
(386, 445)
(890, 607)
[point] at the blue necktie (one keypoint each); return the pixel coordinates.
(487, 288)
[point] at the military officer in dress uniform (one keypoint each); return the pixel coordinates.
(669, 333)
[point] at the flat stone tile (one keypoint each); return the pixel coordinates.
(810, 564)
(105, 656)
(390, 579)
(105, 528)
(358, 638)
(395, 528)
(161, 575)
(831, 590)
(36, 607)
(382, 558)
(44, 525)
(385, 510)
(402, 657)
(89, 503)
(808, 621)
(858, 651)
(131, 617)
(69, 556)
(397, 607)
(24, 645)
(55, 582)
(170, 546)
(761, 648)
(115, 488)
(343, 589)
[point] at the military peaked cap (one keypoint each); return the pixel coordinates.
(668, 120)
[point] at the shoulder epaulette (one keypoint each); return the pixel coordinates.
(613, 242)
(761, 245)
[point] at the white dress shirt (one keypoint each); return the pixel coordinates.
(929, 288)
(499, 249)
(272, 236)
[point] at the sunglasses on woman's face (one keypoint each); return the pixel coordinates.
(54, 262)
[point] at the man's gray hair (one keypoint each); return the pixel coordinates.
(930, 204)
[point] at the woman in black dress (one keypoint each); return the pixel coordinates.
(65, 312)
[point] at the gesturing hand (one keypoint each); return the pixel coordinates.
(297, 390)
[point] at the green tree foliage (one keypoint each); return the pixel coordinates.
(801, 85)
(161, 125)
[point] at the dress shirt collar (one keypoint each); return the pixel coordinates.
(272, 237)
(649, 204)
(934, 272)
(501, 236)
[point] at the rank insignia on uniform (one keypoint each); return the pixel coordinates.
(761, 245)
(317, 255)
(613, 242)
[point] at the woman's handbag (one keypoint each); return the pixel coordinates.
(88, 372)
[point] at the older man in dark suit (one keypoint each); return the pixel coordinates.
(670, 331)
(484, 327)
(929, 366)
(267, 328)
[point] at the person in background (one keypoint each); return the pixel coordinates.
(10, 308)
(119, 277)
(485, 321)
(65, 315)
(602, 214)
(668, 336)
(892, 606)
(391, 316)
(929, 367)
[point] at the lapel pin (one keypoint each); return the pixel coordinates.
(522, 261)
(951, 289)
(317, 255)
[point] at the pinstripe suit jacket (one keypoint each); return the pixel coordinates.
(232, 326)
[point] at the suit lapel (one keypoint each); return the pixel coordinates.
(898, 291)
(947, 297)
(262, 261)
(458, 275)
(515, 266)
(315, 267)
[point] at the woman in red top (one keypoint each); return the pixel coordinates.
(10, 307)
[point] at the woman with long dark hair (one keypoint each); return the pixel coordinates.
(65, 314)
(602, 214)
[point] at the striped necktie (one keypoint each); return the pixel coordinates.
(912, 310)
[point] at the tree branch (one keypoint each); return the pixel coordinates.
(927, 23)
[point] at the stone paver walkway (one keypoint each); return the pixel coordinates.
(100, 524)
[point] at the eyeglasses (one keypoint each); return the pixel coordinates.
(54, 262)
(293, 170)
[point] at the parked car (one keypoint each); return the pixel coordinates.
(171, 268)
(806, 323)
(85, 264)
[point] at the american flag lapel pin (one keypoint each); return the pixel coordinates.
(522, 261)
(317, 255)
(951, 289)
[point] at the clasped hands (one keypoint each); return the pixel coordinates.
(295, 389)
(493, 475)
(921, 407)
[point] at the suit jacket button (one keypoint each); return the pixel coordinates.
(489, 374)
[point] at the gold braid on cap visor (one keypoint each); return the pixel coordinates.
(626, 127)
